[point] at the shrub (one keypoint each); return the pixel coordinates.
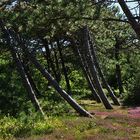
(24, 126)
(133, 97)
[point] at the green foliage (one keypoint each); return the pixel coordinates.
(132, 79)
(25, 126)
(133, 96)
(78, 83)
(12, 94)
(56, 108)
(36, 20)
(76, 78)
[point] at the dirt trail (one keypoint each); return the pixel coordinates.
(132, 113)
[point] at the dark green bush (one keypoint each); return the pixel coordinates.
(25, 126)
(133, 96)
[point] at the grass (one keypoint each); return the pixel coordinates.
(26, 126)
(105, 126)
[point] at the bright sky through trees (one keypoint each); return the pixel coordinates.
(133, 5)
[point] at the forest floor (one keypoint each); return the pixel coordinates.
(121, 123)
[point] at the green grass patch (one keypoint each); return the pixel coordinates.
(26, 126)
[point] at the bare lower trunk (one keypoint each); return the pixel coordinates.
(64, 69)
(57, 65)
(118, 69)
(88, 77)
(49, 58)
(119, 79)
(54, 83)
(20, 69)
(113, 97)
(86, 50)
(45, 73)
(26, 82)
(77, 53)
(28, 73)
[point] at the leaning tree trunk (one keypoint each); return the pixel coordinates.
(57, 65)
(26, 82)
(49, 58)
(118, 69)
(86, 72)
(54, 83)
(88, 76)
(135, 25)
(28, 73)
(113, 97)
(86, 50)
(132, 19)
(20, 69)
(64, 68)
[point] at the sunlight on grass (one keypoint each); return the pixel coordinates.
(106, 125)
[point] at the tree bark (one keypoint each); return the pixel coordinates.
(26, 82)
(54, 83)
(95, 59)
(49, 58)
(86, 72)
(131, 19)
(57, 65)
(118, 69)
(64, 69)
(28, 73)
(86, 50)
(21, 71)
(88, 77)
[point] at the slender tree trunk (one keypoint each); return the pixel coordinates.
(86, 49)
(20, 69)
(88, 77)
(49, 58)
(57, 65)
(113, 97)
(64, 68)
(135, 25)
(118, 69)
(119, 79)
(26, 81)
(54, 83)
(28, 73)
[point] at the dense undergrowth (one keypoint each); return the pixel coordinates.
(110, 125)
(26, 126)
(35, 22)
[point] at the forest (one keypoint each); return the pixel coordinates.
(69, 70)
